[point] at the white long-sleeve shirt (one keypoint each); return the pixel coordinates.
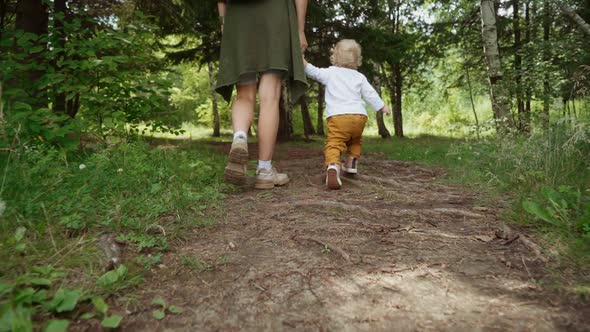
(345, 90)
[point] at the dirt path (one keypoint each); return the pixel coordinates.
(394, 250)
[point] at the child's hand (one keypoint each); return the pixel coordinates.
(386, 110)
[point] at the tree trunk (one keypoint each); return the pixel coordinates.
(216, 123)
(32, 17)
(522, 126)
(576, 18)
(383, 132)
(308, 129)
(285, 116)
(498, 93)
(3, 13)
(320, 119)
(397, 106)
(2, 124)
(472, 102)
(547, 22)
(528, 82)
(59, 105)
(73, 106)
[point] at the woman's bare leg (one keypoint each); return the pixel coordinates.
(269, 92)
(242, 111)
(243, 108)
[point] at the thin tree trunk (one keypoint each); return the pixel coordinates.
(498, 93)
(308, 129)
(214, 104)
(3, 13)
(396, 80)
(2, 124)
(574, 107)
(32, 17)
(320, 118)
(397, 107)
(383, 132)
(547, 22)
(285, 116)
(59, 105)
(73, 106)
(518, 66)
(528, 82)
(576, 18)
(472, 102)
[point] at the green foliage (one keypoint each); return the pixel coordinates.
(191, 96)
(57, 325)
(30, 295)
(566, 208)
(547, 177)
(109, 77)
(55, 205)
(163, 307)
(130, 187)
(111, 321)
(116, 280)
(195, 264)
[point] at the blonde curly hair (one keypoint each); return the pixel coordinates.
(347, 54)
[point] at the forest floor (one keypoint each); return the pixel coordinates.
(395, 249)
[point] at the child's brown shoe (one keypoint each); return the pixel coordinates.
(333, 177)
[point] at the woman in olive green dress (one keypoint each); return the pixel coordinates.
(262, 44)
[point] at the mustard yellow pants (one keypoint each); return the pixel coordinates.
(344, 134)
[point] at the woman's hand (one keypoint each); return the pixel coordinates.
(386, 110)
(302, 41)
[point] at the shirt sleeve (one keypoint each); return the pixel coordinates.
(371, 96)
(319, 74)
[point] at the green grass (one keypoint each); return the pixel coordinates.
(55, 206)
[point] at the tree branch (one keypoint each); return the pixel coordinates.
(576, 18)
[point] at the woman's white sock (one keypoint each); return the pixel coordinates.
(266, 164)
(240, 133)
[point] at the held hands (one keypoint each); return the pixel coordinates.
(386, 110)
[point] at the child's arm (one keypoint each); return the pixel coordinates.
(372, 98)
(315, 73)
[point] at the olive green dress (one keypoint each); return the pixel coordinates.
(260, 35)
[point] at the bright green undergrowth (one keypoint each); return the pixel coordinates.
(55, 207)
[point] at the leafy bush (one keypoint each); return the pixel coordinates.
(110, 78)
(565, 208)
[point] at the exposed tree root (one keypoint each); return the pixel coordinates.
(510, 235)
(336, 249)
(325, 204)
(460, 212)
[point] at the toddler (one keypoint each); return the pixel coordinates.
(346, 89)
